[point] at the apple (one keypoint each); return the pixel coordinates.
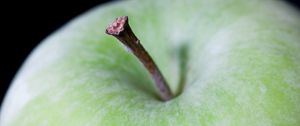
(231, 63)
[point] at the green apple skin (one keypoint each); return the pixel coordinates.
(242, 68)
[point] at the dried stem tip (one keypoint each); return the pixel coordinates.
(117, 26)
(122, 31)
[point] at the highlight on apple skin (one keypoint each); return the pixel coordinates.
(233, 63)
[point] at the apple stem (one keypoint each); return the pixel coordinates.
(122, 31)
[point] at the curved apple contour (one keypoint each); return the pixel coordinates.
(243, 68)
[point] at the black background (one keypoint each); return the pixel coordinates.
(25, 23)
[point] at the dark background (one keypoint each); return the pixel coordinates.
(26, 23)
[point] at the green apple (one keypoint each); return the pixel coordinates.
(240, 61)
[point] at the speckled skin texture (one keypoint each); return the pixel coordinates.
(242, 68)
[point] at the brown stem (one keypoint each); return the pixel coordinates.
(122, 31)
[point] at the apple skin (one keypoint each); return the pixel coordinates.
(242, 68)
